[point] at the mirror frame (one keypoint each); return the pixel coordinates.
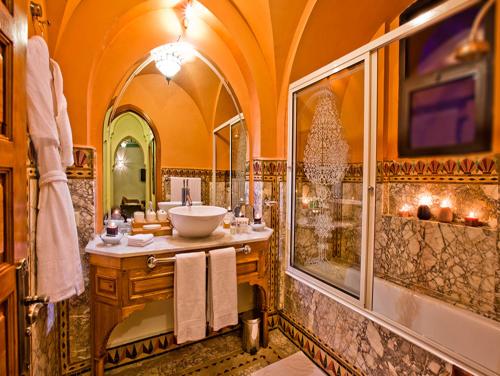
(229, 123)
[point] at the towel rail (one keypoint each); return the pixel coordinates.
(153, 261)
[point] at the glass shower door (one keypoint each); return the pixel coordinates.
(328, 152)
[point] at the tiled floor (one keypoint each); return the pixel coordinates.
(216, 356)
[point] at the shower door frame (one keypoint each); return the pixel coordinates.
(364, 306)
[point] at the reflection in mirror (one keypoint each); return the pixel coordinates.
(433, 274)
(328, 204)
(181, 113)
(133, 156)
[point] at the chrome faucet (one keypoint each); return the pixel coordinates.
(186, 194)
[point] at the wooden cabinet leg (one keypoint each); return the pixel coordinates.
(263, 305)
(265, 329)
(103, 319)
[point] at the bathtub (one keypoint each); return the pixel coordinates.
(470, 335)
(474, 338)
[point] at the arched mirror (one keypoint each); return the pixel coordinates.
(163, 127)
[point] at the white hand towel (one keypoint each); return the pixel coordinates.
(140, 239)
(195, 189)
(222, 289)
(190, 321)
(176, 188)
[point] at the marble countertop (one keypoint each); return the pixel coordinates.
(164, 244)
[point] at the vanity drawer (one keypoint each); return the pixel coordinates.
(142, 284)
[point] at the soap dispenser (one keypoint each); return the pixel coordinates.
(150, 213)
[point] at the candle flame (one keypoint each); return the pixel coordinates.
(425, 200)
(445, 203)
(472, 214)
(405, 208)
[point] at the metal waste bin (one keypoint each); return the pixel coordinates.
(251, 332)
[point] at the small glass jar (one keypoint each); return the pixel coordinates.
(228, 219)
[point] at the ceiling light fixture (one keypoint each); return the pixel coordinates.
(169, 57)
(188, 14)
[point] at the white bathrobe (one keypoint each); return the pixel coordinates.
(59, 269)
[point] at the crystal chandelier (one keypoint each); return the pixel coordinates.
(325, 164)
(325, 156)
(169, 57)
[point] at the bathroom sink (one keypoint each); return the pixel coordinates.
(196, 221)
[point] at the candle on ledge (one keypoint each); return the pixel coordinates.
(112, 229)
(305, 202)
(472, 219)
(424, 210)
(445, 213)
(405, 211)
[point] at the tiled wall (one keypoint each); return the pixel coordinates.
(448, 261)
(64, 346)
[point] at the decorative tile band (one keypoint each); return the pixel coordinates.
(264, 167)
(468, 170)
(159, 344)
(323, 356)
(83, 168)
(204, 174)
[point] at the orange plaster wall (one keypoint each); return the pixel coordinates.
(186, 142)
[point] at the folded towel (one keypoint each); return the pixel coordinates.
(140, 240)
(222, 289)
(190, 321)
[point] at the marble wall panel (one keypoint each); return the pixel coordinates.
(78, 308)
(453, 263)
(360, 342)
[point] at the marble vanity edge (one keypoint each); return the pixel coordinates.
(161, 244)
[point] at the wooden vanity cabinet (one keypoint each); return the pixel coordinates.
(123, 285)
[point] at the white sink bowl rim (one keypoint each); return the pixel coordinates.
(196, 221)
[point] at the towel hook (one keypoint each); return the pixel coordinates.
(36, 15)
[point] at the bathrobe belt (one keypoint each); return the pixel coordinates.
(52, 176)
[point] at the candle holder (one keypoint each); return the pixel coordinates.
(112, 229)
(424, 211)
(445, 213)
(472, 220)
(405, 211)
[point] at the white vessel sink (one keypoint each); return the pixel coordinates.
(196, 221)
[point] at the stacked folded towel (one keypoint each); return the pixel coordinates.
(140, 240)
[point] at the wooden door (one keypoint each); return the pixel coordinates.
(13, 190)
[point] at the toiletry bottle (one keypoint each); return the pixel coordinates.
(150, 213)
(242, 208)
(228, 218)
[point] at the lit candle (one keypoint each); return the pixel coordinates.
(257, 219)
(112, 229)
(405, 211)
(424, 211)
(472, 219)
(305, 202)
(445, 213)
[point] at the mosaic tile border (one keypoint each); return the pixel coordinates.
(274, 172)
(268, 167)
(324, 357)
(480, 170)
(68, 368)
(83, 168)
(142, 349)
